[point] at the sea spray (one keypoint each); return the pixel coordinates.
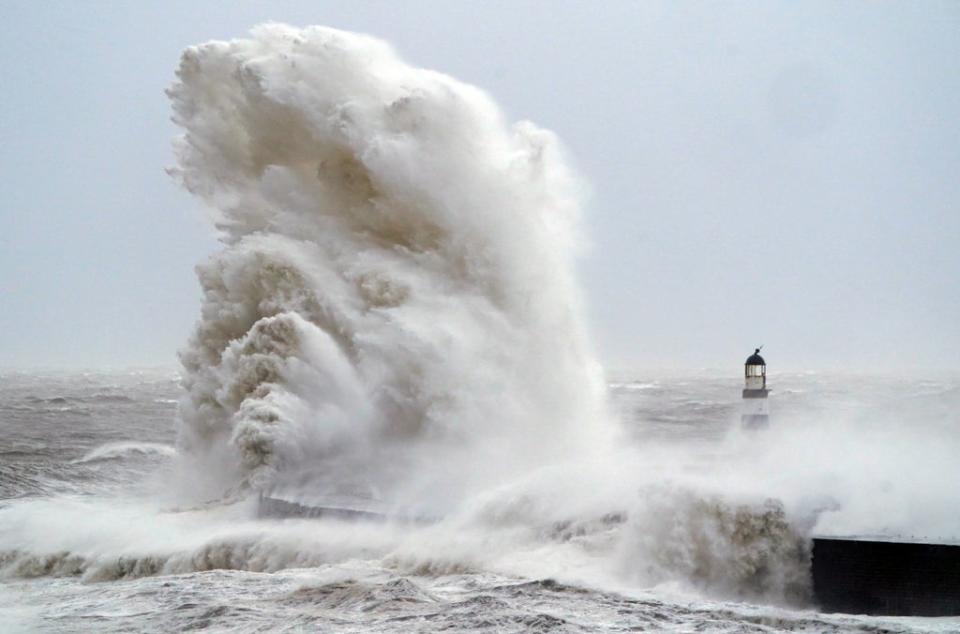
(395, 301)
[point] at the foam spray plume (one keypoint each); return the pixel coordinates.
(394, 307)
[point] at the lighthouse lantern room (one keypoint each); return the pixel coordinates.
(755, 392)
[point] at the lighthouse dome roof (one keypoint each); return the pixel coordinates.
(755, 358)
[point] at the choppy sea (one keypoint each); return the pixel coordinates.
(93, 539)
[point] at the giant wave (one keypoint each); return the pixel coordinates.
(395, 295)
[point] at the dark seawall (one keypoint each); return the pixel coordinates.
(866, 576)
(278, 508)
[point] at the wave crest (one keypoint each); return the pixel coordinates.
(119, 450)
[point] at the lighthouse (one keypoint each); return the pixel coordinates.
(755, 391)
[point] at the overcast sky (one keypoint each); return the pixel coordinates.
(785, 174)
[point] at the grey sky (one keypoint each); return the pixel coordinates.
(776, 173)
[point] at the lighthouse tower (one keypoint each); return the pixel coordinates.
(755, 413)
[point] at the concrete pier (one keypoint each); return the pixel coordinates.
(275, 507)
(886, 577)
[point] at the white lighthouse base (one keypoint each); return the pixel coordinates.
(755, 415)
(754, 421)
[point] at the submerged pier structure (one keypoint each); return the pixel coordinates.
(274, 506)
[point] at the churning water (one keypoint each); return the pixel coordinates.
(690, 526)
(394, 316)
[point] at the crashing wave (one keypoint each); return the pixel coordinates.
(746, 550)
(395, 293)
(119, 450)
